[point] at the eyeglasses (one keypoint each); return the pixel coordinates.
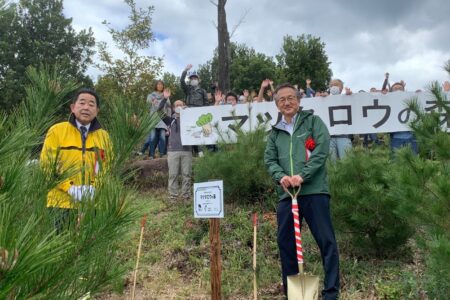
(289, 99)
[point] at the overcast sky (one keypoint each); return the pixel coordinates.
(364, 38)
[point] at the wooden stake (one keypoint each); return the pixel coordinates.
(216, 260)
(144, 219)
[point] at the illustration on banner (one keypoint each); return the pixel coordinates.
(204, 127)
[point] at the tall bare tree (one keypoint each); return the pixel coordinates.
(223, 47)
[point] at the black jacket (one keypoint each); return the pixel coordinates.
(195, 96)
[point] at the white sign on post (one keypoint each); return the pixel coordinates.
(208, 199)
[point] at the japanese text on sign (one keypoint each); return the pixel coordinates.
(356, 114)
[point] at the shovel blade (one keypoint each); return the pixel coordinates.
(303, 287)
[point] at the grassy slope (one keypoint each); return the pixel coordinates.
(175, 258)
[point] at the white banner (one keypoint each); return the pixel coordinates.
(355, 114)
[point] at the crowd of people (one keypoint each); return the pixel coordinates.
(196, 96)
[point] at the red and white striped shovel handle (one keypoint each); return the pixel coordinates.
(297, 231)
(298, 234)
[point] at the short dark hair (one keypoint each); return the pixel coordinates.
(282, 86)
(397, 84)
(87, 91)
(232, 94)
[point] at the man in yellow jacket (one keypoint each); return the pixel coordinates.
(80, 147)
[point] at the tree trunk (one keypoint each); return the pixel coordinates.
(223, 48)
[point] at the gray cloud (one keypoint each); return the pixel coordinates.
(364, 39)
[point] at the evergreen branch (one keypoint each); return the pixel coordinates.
(85, 246)
(447, 66)
(431, 191)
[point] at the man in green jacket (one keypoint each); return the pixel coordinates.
(295, 157)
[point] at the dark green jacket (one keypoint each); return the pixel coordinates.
(285, 155)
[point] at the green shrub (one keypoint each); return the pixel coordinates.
(362, 206)
(240, 166)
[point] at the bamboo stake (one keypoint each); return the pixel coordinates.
(255, 286)
(144, 219)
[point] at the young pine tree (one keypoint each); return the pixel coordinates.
(35, 261)
(362, 206)
(424, 190)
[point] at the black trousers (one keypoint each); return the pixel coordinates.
(315, 209)
(62, 218)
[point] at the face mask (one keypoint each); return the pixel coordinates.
(335, 90)
(178, 109)
(194, 82)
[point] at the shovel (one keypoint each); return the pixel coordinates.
(300, 286)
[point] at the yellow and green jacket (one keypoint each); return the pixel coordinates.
(64, 152)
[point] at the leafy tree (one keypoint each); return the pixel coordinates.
(107, 87)
(173, 83)
(134, 73)
(35, 32)
(247, 69)
(208, 73)
(3, 7)
(11, 71)
(302, 58)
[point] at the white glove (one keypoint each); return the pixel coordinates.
(89, 191)
(79, 191)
